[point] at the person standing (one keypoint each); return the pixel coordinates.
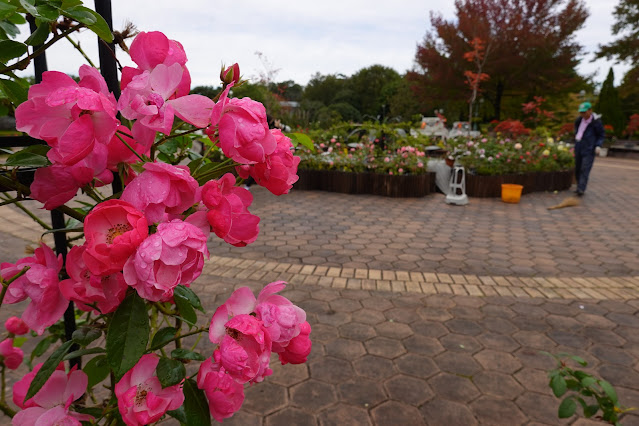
(589, 137)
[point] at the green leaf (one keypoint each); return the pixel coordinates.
(10, 49)
(43, 346)
(97, 369)
(100, 28)
(184, 306)
(27, 158)
(14, 91)
(11, 30)
(169, 147)
(573, 384)
(567, 408)
(128, 335)
(6, 10)
(80, 14)
(558, 386)
(579, 360)
(190, 295)
(85, 335)
(163, 336)
(48, 12)
(590, 410)
(82, 352)
(17, 19)
(170, 372)
(182, 353)
(195, 405)
(588, 381)
(301, 138)
(610, 391)
(19, 341)
(40, 35)
(178, 414)
(47, 369)
(29, 6)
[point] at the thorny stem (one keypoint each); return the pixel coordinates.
(178, 326)
(191, 333)
(129, 146)
(163, 309)
(16, 201)
(79, 49)
(112, 54)
(175, 135)
(24, 63)
(25, 190)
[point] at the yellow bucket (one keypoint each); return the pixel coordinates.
(510, 192)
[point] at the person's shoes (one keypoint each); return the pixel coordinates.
(579, 193)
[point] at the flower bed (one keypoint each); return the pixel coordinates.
(490, 186)
(366, 183)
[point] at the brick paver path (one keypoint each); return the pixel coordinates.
(425, 313)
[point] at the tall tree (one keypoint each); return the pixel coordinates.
(609, 106)
(371, 89)
(626, 27)
(533, 49)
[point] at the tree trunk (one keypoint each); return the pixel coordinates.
(498, 95)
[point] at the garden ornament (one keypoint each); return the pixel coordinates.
(457, 193)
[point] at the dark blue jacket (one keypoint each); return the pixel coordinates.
(594, 135)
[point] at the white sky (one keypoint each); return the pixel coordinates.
(302, 37)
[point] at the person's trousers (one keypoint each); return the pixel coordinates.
(583, 165)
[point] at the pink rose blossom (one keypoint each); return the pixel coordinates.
(11, 357)
(58, 183)
(297, 349)
(40, 284)
(230, 74)
(15, 325)
(71, 117)
(225, 395)
(173, 255)
(281, 317)
(85, 288)
(245, 349)
(141, 398)
(279, 172)
(21, 387)
(228, 211)
(161, 189)
(113, 230)
(50, 406)
(242, 129)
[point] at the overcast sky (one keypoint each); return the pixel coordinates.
(300, 38)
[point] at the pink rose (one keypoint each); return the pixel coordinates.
(12, 357)
(173, 255)
(21, 387)
(245, 349)
(58, 183)
(228, 211)
(297, 349)
(15, 325)
(224, 394)
(230, 74)
(40, 284)
(280, 316)
(161, 189)
(279, 172)
(71, 117)
(85, 288)
(141, 398)
(150, 49)
(113, 230)
(50, 406)
(242, 129)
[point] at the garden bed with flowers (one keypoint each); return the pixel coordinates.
(387, 160)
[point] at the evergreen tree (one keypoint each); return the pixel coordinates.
(609, 105)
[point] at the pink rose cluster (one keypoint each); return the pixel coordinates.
(247, 331)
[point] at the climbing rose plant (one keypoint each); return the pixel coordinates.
(133, 278)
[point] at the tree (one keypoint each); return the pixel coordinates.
(370, 87)
(324, 88)
(478, 56)
(609, 105)
(533, 49)
(629, 92)
(626, 26)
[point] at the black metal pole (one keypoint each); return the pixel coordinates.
(57, 218)
(108, 67)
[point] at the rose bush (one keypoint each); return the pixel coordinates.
(133, 278)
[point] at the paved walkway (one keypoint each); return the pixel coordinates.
(425, 313)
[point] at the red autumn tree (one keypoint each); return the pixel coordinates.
(478, 57)
(533, 49)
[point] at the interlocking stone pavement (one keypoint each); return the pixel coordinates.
(425, 313)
